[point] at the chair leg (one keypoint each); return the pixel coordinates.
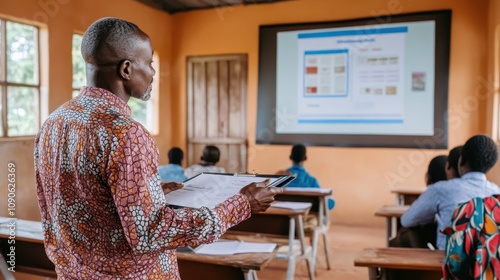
(310, 266)
(327, 251)
(291, 268)
(314, 243)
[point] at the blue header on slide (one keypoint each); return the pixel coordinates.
(357, 32)
(327, 51)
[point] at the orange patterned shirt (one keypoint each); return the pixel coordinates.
(103, 211)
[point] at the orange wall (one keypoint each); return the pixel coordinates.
(359, 177)
(62, 18)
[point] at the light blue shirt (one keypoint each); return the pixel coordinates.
(441, 199)
(172, 173)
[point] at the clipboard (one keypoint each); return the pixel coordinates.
(210, 189)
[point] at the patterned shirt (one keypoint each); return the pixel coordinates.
(440, 200)
(103, 212)
(473, 241)
(172, 173)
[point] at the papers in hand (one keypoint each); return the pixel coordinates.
(312, 190)
(211, 189)
(223, 247)
(291, 205)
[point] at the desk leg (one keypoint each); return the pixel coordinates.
(307, 255)
(4, 269)
(388, 225)
(377, 273)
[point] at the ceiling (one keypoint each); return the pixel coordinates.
(174, 6)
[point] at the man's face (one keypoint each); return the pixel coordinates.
(142, 71)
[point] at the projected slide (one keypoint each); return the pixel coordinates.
(363, 80)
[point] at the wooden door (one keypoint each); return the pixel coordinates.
(217, 89)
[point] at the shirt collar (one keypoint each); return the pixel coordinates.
(110, 98)
(474, 175)
(298, 167)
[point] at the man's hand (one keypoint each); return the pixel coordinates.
(260, 196)
(170, 187)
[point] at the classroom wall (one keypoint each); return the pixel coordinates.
(62, 18)
(361, 178)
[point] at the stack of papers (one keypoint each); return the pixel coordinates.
(291, 205)
(315, 190)
(224, 247)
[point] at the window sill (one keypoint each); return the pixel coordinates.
(17, 138)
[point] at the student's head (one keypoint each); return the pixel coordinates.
(175, 156)
(479, 154)
(118, 57)
(436, 170)
(452, 163)
(211, 154)
(298, 154)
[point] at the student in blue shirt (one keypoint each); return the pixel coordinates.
(303, 179)
(173, 172)
(439, 201)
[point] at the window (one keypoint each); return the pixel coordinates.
(144, 112)
(78, 64)
(19, 79)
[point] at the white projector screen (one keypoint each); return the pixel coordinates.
(356, 83)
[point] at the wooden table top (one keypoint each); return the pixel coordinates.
(407, 190)
(392, 210)
(255, 261)
(25, 230)
(401, 258)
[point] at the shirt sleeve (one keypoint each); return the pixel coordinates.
(422, 210)
(147, 221)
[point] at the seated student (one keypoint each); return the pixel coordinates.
(419, 236)
(173, 172)
(436, 171)
(210, 157)
(473, 240)
(303, 179)
(452, 163)
(479, 155)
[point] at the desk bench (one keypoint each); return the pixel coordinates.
(401, 263)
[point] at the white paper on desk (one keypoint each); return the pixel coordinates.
(234, 247)
(210, 190)
(291, 205)
(315, 190)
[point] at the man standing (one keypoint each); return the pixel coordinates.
(103, 211)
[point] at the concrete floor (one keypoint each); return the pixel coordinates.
(345, 243)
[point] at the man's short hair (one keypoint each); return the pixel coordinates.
(453, 158)
(298, 153)
(175, 156)
(211, 154)
(113, 34)
(480, 152)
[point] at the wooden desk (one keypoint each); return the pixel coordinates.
(30, 252)
(392, 213)
(318, 198)
(279, 223)
(406, 195)
(240, 266)
(401, 263)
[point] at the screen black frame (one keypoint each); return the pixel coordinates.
(266, 108)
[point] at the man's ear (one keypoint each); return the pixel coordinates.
(461, 161)
(125, 69)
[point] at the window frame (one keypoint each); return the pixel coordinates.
(4, 84)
